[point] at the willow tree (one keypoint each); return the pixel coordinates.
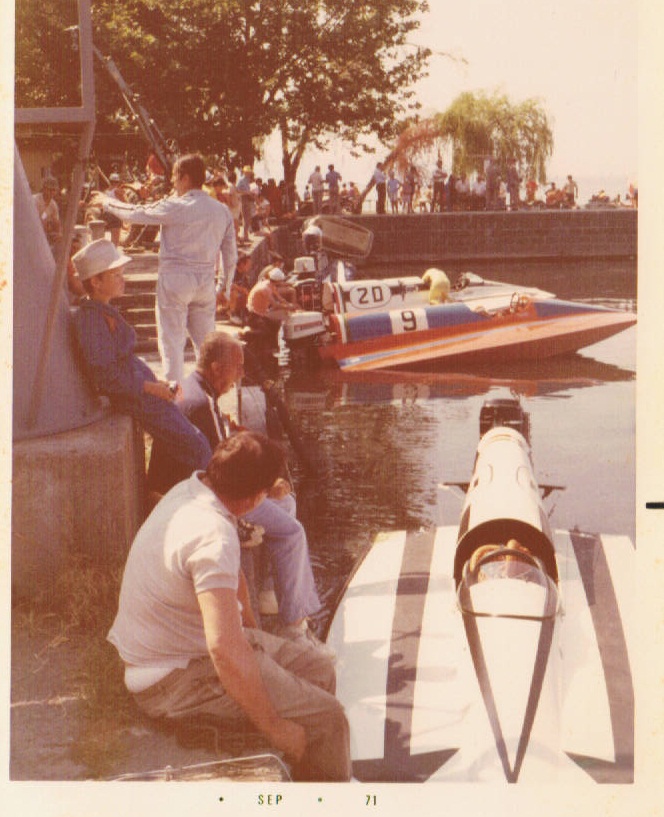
(477, 125)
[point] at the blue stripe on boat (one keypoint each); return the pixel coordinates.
(365, 327)
(452, 315)
(379, 325)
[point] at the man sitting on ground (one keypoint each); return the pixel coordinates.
(220, 367)
(185, 631)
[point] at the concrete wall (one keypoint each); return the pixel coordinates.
(470, 236)
(80, 491)
(522, 234)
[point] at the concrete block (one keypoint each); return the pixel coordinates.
(79, 491)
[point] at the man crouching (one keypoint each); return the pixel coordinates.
(184, 627)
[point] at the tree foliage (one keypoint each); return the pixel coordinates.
(478, 124)
(221, 75)
(47, 70)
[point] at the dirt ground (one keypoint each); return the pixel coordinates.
(57, 734)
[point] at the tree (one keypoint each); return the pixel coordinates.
(220, 75)
(47, 68)
(478, 124)
(345, 71)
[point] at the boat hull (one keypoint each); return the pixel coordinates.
(542, 329)
(407, 679)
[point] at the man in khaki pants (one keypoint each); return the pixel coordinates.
(188, 637)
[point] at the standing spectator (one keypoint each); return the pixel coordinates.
(478, 193)
(316, 181)
(393, 185)
(194, 229)
(438, 178)
(379, 179)
(246, 189)
(333, 178)
(513, 182)
(531, 190)
(463, 192)
(502, 194)
(450, 191)
(233, 200)
(113, 223)
(47, 207)
(492, 183)
(571, 192)
(273, 194)
(354, 198)
(408, 189)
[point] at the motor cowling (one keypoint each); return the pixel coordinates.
(301, 327)
(503, 501)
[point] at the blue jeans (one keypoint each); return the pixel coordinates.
(165, 422)
(286, 543)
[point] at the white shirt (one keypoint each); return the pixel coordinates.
(187, 545)
(378, 176)
(316, 181)
(47, 212)
(194, 228)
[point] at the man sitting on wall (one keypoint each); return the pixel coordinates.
(220, 367)
(185, 630)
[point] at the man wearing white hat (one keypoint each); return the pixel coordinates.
(267, 308)
(106, 344)
(194, 229)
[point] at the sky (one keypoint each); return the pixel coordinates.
(579, 57)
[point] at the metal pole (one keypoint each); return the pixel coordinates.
(76, 185)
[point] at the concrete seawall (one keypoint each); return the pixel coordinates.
(471, 236)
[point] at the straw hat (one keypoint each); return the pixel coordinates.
(96, 257)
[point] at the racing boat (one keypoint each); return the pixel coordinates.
(495, 650)
(363, 325)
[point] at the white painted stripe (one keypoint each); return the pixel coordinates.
(585, 715)
(361, 634)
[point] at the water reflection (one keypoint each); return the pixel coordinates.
(560, 375)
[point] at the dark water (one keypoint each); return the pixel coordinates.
(383, 442)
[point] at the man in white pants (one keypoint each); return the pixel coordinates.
(194, 229)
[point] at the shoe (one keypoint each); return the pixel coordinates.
(303, 635)
(267, 603)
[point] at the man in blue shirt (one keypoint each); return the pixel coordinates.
(333, 178)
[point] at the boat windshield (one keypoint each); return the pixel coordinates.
(507, 581)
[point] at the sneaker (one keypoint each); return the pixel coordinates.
(302, 634)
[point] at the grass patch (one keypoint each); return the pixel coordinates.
(79, 607)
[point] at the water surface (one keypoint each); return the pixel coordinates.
(384, 442)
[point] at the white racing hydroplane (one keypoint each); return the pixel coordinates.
(497, 650)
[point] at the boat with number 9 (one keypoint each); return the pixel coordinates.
(364, 325)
